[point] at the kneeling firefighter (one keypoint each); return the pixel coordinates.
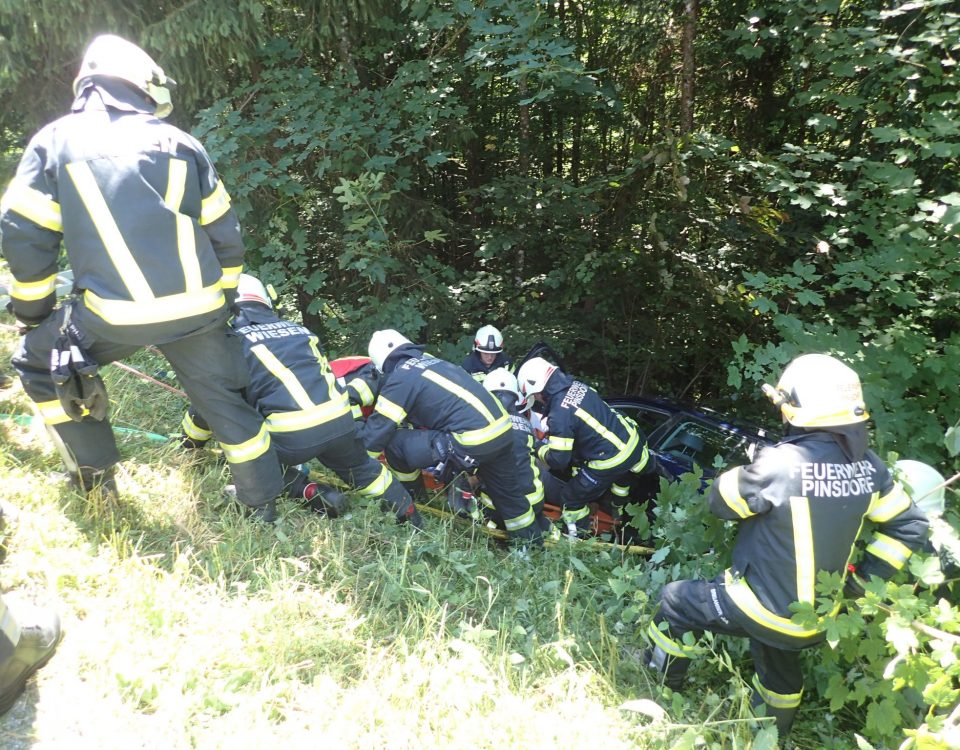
(607, 450)
(462, 427)
(800, 506)
(156, 252)
(503, 384)
(307, 415)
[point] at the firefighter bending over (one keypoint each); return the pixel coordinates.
(800, 506)
(307, 414)
(607, 450)
(465, 427)
(156, 253)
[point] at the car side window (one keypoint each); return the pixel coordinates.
(698, 443)
(647, 418)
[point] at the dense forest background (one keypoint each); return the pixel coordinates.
(679, 197)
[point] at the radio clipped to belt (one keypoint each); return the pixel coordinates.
(74, 373)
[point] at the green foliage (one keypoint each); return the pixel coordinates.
(870, 182)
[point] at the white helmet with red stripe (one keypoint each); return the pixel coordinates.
(533, 376)
(489, 340)
(251, 289)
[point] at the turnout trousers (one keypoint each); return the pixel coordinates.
(210, 367)
(409, 451)
(694, 606)
(346, 457)
(589, 485)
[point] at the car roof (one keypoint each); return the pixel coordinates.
(705, 414)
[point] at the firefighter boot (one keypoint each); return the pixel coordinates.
(95, 484)
(783, 713)
(577, 522)
(37, 640)
(322, 498)
(673, 668)
(266, 513)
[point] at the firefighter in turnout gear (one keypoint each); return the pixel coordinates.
(800, 507)
(156, 253)
(607, 451)
(361, 381)
(503, 384)
(487, 354)
(465, 428)
(307, 414)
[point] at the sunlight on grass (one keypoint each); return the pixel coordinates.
(189, 626)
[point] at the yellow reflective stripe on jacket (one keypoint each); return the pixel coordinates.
(248, 450)
(624, 450)
(121, 312)
(644, 457)
(889, 550)
(192, 431)
(283, 373)
(291, 421)
(728, 484)
(746, 601)
(665, 642)
(890, 505)
(460, 392)
(52, 412)
(230, 277)
(33, 205)
(379, 485)
(542, 452)
(393, 412)
(30, 291)
(484, 434)
(363, 391)
(109, 232)
(556, 443)
(214, 205)
(803, 548)
(774, 699)
(186, 240)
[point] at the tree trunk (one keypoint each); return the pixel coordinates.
(690, 10)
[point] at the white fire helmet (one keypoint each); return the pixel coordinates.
(502, 380)
(251, 289)
(817, 390)
(488, 340)
(923, 483)
(383, 343)
(111, 56)
(533, 376)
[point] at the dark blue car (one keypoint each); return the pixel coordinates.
(683, 436)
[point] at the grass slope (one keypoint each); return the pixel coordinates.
(187, 626)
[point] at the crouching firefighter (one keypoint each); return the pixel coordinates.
(607, 450)
(801, 506)
(156, 251)
(537, 484)
(307, 415)
(464, 428)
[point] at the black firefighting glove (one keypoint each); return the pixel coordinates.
(79, 388)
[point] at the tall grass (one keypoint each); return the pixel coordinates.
(189, 626)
